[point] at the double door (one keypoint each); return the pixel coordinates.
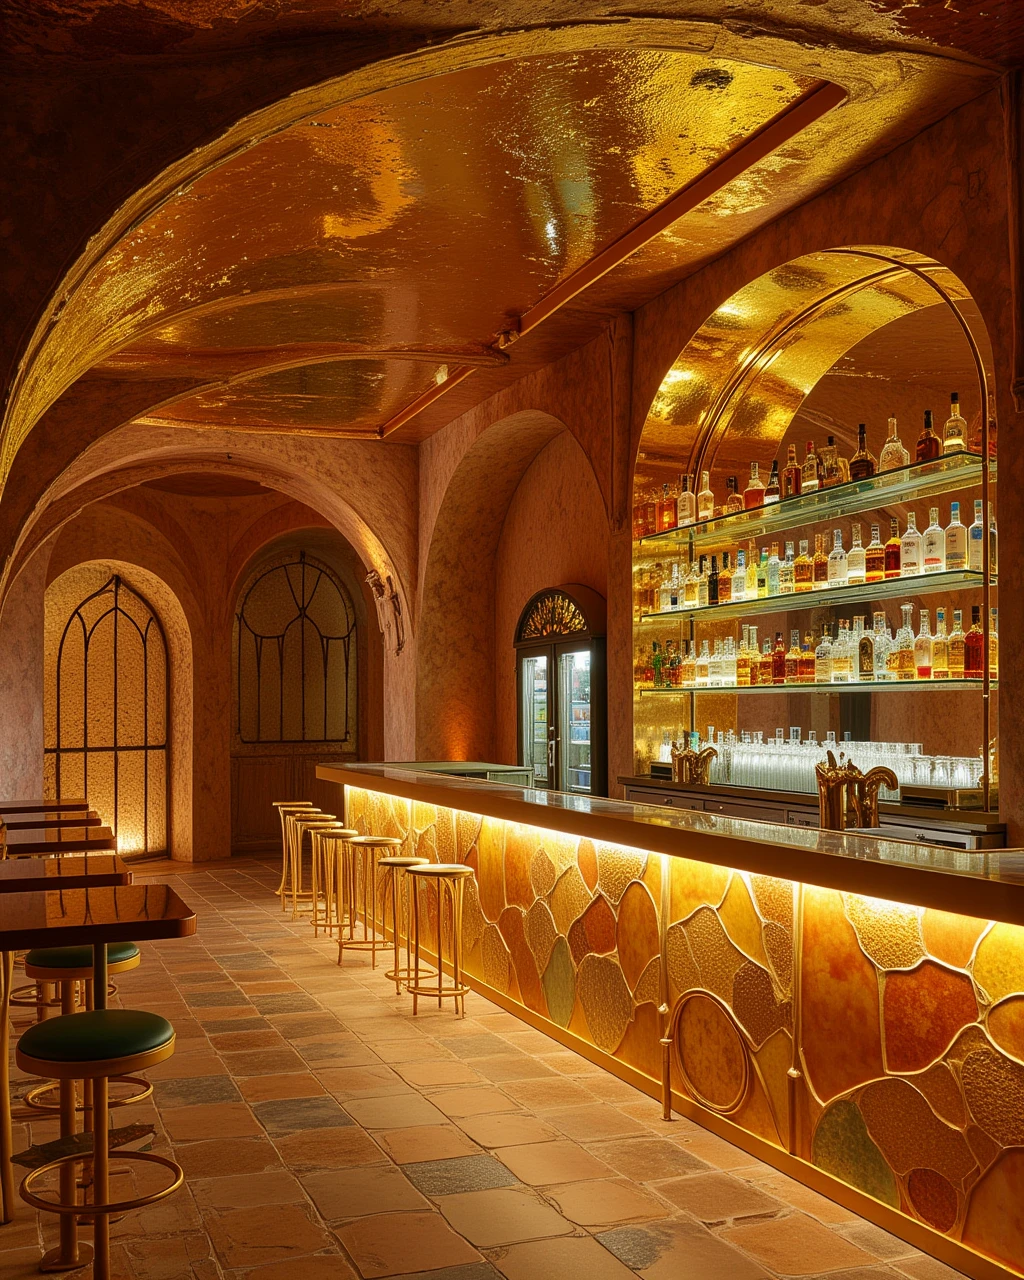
(560, 737)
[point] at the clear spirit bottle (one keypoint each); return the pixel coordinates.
(773, 570)
(729, 663)
(893, 455)
(865, 652)
(755, 657)
(803, 569)
(772, 492)
(779, 660)
(793, 658)
(753, 494)
(823, 658)
(974, 647)
(923, 648)
(892, 551)
(874, 557)
(940, 647)
(856, 561)
(819, 564)
(791, 476)
(809, 470)
(828, 464)
(837, 566)
(787, 573)
(739, 577)
(766, 666)
(842, 655)
(715, 665)
(750, 588)
(686, 503)
(689, 671)
(862, 464)
(703, 666)
(762, 574)
(976, 538)
(933, 544)
(956, 647)
(702, 584)
(691, 586)
(882, 638)
(910, 549)
(743, 659)
(956, 540)
(929, 446)
(733, 501)
(705, 498)
(903, 650)
(954, 433)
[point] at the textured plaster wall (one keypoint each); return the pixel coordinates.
(21, 684)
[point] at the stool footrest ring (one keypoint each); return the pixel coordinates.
(31, 1098)
(96, 1210)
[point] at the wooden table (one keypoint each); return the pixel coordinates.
(50, 820)
(38, 805)
(59, 841)
(70, 918)
(37, 875)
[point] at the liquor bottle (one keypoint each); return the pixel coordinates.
(910, 549)
(892, 551)
(752, 558)
(725, 580)
(828, 464)
(805, 670)
(940, 647)
(837, 566)
(929, 446)
(686, 503)
(974, 647)
(862, 464)
(666, 510)
(856, 561)
(766, 666)
(753, 494)
(729, 663)
(956, 540)
(976, 539)
(957, 654)
(787, 573)
(933, 544)
(713, 582)
(743, 659)
(762, 574)
(793, 658)
(819, 564)
(691, 587)
(675, 666)
(865, 652)
(803, 569)
(779, 660)
(715, 674)
(993, 643)
(739, 577)
(656, 663)
(893, 455)
(923, 648)
(883, 644)
(823, 658)
(954, 433)
(705, 498)
(906, 667)
(733, 501)
(703, 666)
(771, 493)
(668, 592)
(809, 470)
(791, 474)
(993, 558)
(755, 658)
(874, 557)
(842, 654)
(702, 583)
(773, 570)
(689, 673)
(842, 468)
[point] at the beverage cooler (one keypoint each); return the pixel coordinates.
(561, 690)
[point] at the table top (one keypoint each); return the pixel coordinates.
(29, 875)
(59, 840)
(77, 917)
(39, 805)
(49, 821)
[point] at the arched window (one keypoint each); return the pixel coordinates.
(296, 655)
(107, 714)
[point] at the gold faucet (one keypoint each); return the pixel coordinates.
(846, 796)
(689, 766)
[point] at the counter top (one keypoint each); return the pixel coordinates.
(986, 883)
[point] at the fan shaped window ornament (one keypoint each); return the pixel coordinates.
(550, 615)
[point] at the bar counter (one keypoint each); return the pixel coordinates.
(847, 1008)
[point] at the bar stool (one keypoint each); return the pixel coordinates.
(284, 807)
(298, 824)
(326, 847)
(93, 1047)
(450, 880)
(398, 886)
(359, 856)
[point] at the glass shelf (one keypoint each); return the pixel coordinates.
(906, 484)
(920, 585)
(867, 686)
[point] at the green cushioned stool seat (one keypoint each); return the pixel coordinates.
(79, 957)
(96, 1035)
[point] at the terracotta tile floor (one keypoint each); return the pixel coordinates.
(325, 1134)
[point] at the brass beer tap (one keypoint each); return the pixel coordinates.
(846, 796)
(689, 766)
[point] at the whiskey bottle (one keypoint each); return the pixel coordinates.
(705, 498)
(773, 570)
(656, 663)
(739, 577)
(686, 503)
(752, 558)
(809, 470)
(793, 658)
(703, 674)
(766, 666)
(862, 464)
(954, 433)
(957, 654)
(779, 660)
(743, 659)
(725, 580)
(755, 657)
(865, 652)
(893, 455)
(689, 672)
(856, 561)
(929, 446)
(993, 643)
(713, 582)
(691, 587)
(923, 648)
(974, 647)
(787, 573)
(882, 638)
(892, 551)
(803, 569)
(702, 583)
(820, 563)
(753, 494)
(910, 549)
(666, 510)
(976, 539)
(828, 464)
(906, 667)
(771, 493)
(805, 670)
(762, 574)
(842, 654)
(733, 501)
(956, 540)
(823, 658)
(940, 647)
(837, 566)
(790, 481)
(874, 557)
(933, 544)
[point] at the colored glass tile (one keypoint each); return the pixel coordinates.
(636, 935)
(778, 943)
(889, 932)
(683, 973)
(423, 815)
(934, 1198)
(520, 847)
(741, 921)
(755, 1113)
(717, 958)
(1006, 1025)
(773, 1060)
(599, 926)
(541, 932)
(513, 930)
(995, 1214)
(909, 1134)
(559, 983)
(842, 1147)
(951, 938)
(774, 899)
(994, 1089)
(467, 828)
(491, 874)
(579, 946)
(648, 988)
(444, 836)
(755, 1005)
(940, 1087)
(616, 868)
(542, 873)
(923, 1010)
(568, 899)
(606, 1001)
(999, 962)
(641, 1045)
(497, 964)
(473, 922)
(694, 885)
(711, 1054)
(588, 863)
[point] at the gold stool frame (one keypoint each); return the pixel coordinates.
(325, 873)
(360, 854)
(450, 880)
(399, 887)
(284, 807)
(298, 826)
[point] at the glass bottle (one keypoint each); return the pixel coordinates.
(666, 510)
(874, 557)
(703, 674)
(751, 591)
(828, 465)
(910, 549)
(805, 670)
(705, 498)
(923, 648)
(656, 663)
(892, 551)
(865, 652)
(993, 558)
(765, 667)
(793, 658)
(739, 577)
(702, 583)
(957, 654)
(842, 654)
(809, 470)
(773, 570)
(993, 643)
(715, 665)
(974, 647)
(691, 585)
(803, 569)
(842, 468)
(933, 544)
(929, 446)
(762, 574)
(893, 455)
(791, 474)
(787, 573)
(755, 658)
(862, 464)
(940, 647)
(743, 659)
(906, 667)
(976, 538)
(819, 564)
(713, 582)
(856, 561)
(729, 663)
(779, 660)
(883, 645)
(689, 672)
(725, 578)
(837, 565)
(771, 493)
(956, 540)
(954, 433)
(733, 501)
(686, 503)
(823, 658)
(753, 494)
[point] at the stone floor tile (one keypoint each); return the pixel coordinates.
(542, 1164)
(411, 1050)
(474, 1044)
(644, 1159)
(513, 1066)
(673, 1249)
(563, 1258)
(542, 1095)
(232, 1025)
(568, 1063)
(796, 1245)
(296, 1026)
(794, 1193)
(388, 1244)
(399, 1111)
(606, 1203)
(320, 1266)
(717, 1197)
(212, 1120)
(196, 1090)
(352, 1193)
(507, 1130)
(923, 1268)
(709, 1147)
(245, 1190)
(459, 1174)
(374, 1080)
(877, 1241)
(311, 1149)
(591, 1123)
(425, 1143)
(472, 1101)
(293, 1002)
(248, 1237)
(429, 1072)
(220, 1157)
(264, 1037)
(300, 1084)
(504, 1216)
(188, 1066)
(472, 1271)
(262, 1062)
(288, 1115)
